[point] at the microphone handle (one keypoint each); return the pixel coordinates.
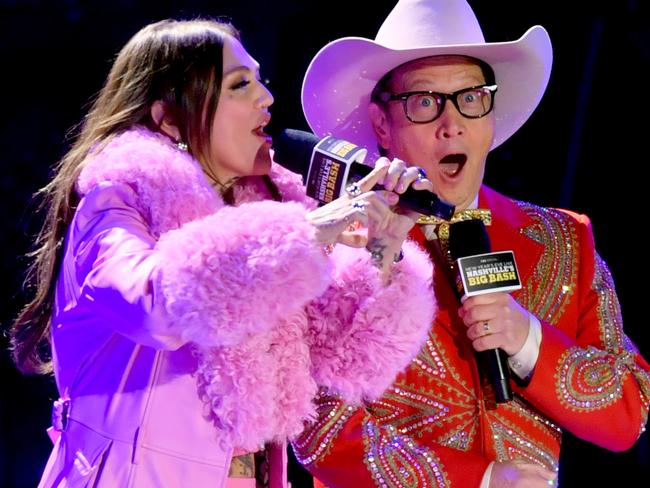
(470, 238)
(494, 364)
(422, 201)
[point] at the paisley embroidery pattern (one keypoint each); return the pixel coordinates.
(590, 379)
(553, 281)
(396, 461)
(315, 441)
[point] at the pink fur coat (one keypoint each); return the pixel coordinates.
(269, 316)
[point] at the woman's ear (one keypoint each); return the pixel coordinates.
(380, 125)
(164, 121)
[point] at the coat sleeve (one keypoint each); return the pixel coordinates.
(213, 280)
(362, 333)
(350, 446)
(596, 377)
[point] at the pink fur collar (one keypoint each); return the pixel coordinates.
(171, 184)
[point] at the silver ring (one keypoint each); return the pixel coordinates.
(359, 205)
(486, 327)
(353, 189)
(422, 174)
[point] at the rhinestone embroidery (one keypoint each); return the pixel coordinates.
(554, 279)
(590, 379)
(510, 445)
(314, 442)
(397, 461)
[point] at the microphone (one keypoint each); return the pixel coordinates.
(488, 274)
(329, 165)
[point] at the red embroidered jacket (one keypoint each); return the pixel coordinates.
(433, 428)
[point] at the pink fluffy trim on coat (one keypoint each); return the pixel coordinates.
(222, 284)
(260, 390)
(236, 282)
(170, 183)
(363, 333)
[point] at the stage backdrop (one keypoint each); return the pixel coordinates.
(584, 148)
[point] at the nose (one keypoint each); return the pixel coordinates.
(265, 99)
(450, 123)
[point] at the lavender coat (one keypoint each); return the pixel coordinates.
(185, 328)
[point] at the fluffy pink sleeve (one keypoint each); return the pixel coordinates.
(362, 332)
(237, 271)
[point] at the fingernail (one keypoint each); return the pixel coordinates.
(382, 162)
(393, 198)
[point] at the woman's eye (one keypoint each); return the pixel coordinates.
(240, 84)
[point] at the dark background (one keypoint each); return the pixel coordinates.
(584, 148)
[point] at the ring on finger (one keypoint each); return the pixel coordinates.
(353, 189)
(486, 327)
(359, 205)
(422, 174)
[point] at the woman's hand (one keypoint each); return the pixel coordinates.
(340, 220)
(389, 227)
(386, 226)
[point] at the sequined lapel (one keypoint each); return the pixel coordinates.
(507, 231)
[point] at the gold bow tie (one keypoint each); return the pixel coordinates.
(442, 227)
(469, 214)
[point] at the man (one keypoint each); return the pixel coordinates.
(430, 91)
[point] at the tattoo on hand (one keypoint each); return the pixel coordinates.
(376, 249)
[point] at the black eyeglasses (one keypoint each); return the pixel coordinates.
(425, 106)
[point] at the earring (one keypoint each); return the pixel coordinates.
(181, 145)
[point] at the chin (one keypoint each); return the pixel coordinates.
(262, 163)
(456, 199)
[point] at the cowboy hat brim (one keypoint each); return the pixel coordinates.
(339, 80)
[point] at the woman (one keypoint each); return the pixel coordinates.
(190, 291)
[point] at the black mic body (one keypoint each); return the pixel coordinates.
(329, 165)
(470, 238)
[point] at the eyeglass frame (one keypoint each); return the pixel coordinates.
(403, 97)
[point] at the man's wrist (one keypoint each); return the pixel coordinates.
(523, 362)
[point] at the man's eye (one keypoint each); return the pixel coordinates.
(470, 97)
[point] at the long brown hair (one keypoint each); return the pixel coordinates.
(176, 61)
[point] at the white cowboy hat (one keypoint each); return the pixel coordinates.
(339, 80)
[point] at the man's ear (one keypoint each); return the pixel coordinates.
(164, 121)
(380, 124)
